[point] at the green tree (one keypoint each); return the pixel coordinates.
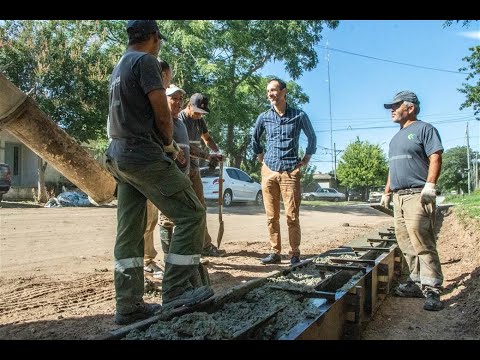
(64, 66)
(471, 91)
(222, 59)
(362, 165)
(454, 165)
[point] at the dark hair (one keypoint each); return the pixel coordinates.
(164, 66)
(136, 37)
(282, 83)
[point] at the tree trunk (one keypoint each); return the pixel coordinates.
(42, 190)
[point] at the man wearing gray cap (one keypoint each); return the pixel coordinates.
(141, 129)
(415, 161)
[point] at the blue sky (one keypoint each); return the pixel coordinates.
(359, 86)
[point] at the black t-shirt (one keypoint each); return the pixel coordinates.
(131, 119)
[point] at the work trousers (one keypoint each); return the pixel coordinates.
(414, 230)
(197, 186)
(171, 192)
(287, 185)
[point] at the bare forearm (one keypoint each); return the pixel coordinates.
(435, 167)
(210, 142)
(197, 152)
(387, 185)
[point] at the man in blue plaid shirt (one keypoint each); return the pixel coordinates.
(281, 166)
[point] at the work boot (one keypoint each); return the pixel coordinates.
(294, 260)
(188, 298)
(409, 289)
(142, 311)
(211, 250)
(273, 258)
(433, 302)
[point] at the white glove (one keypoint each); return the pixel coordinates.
(428, 194)
(172, 149)
(386, 200)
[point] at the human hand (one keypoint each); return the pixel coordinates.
(212, 161)
(172, 149)
(181, 157)
(428, 194)
(386, 200)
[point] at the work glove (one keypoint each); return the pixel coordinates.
(171, 150)
(386, 200)
(428, 194)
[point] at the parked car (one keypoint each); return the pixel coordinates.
(237, 186)
(5, 179)
(328, 194)
(376, 194)
(354, 194)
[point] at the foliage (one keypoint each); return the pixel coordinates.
(362, 165)
(467, 206)
(222, 59)
(64, 66)
(471, 91)
(454, 165)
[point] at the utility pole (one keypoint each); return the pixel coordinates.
(335, 163)
(468, 159)
(330, 108)
(476, 171)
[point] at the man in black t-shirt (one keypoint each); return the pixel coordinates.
(141, 129)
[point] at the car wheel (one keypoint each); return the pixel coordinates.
(259, 199)
(227, 197)
(336, 199)
(310, 197)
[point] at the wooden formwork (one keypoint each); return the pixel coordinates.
(346, 300)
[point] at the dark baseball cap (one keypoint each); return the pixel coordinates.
(403, 96)
(199, 103)
(143, 27)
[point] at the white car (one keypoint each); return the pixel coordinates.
(237, 186)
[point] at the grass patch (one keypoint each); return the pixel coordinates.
(467, 206)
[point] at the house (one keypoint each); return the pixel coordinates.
(24, 169)
(324, 180)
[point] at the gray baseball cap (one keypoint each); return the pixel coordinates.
(403, 96)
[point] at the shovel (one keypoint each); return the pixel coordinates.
(220, 204)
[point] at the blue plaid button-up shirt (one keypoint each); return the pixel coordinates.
(282, 135)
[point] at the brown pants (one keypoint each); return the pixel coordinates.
(286, 184)
(152, 219)
(414, 225)
(197, 186)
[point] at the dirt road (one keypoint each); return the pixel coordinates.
(56, 279)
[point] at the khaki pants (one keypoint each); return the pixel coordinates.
(152, 219)
(414, 224)
(286, 184)
(197, 186)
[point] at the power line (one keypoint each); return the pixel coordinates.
(394, 62)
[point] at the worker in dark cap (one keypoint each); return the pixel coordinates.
(141, 158)
(192, 117)
(415, 162)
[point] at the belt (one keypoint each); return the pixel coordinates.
(410, 191)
